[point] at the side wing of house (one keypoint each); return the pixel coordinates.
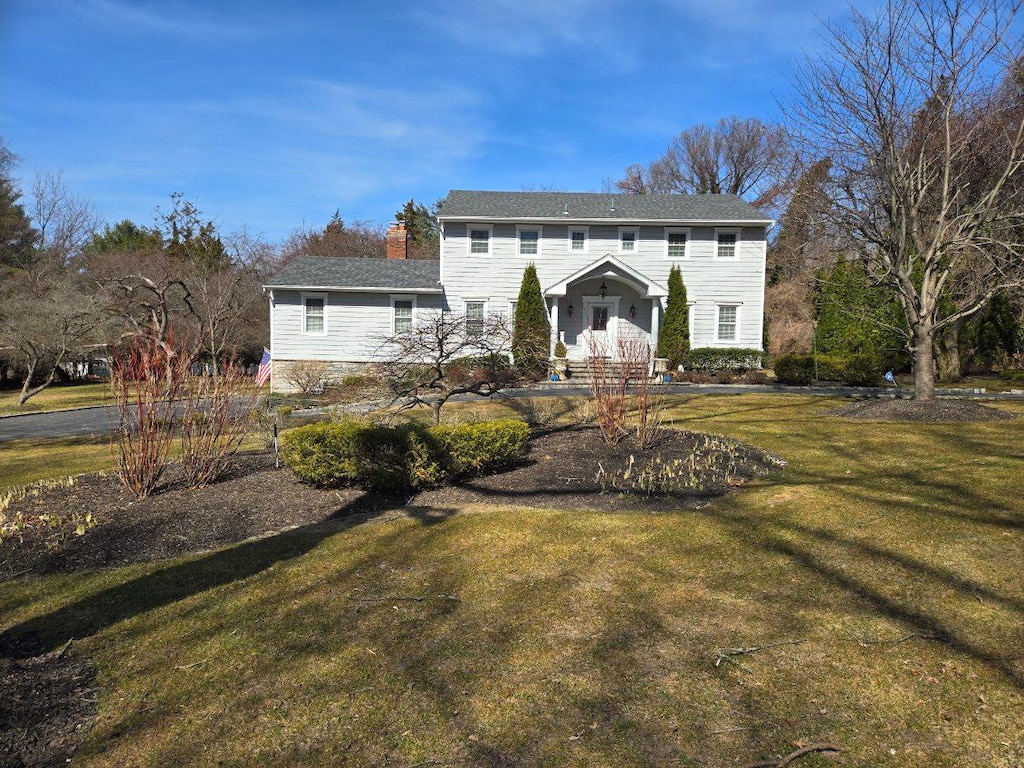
(338, 312)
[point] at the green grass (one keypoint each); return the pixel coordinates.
(889, 555)
(27, 461)
(56, 398)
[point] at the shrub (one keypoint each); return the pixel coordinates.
(723, 377)
(358, 380)
(1012, 374)
(531, 330)
(308, 376)
(674, 339)
(469, 449)
(712, 359)
(560, 350)
(863, 370)
(795, 370)
(400, 458)
(830, 367)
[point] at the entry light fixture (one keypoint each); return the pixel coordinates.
(603, 290)
(569, 310)
(632, 311)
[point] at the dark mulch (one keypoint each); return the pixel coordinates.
(918, 410)
(48, 705)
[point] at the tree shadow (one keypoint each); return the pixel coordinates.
(182, 580)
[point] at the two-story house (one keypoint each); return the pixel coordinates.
(602, 260)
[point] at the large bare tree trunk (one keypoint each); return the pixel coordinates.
(924, 364)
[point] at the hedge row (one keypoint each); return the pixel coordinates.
(713, 359)
(856, 370)
(399, 458)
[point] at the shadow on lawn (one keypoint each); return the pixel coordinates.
(183, 580)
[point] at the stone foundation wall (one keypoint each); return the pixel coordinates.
(335, 370)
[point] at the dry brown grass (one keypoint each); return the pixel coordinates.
(888, 555)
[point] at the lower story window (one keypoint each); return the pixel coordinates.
(728, 319)
(474, 318)
(313, 314)
(403, 315)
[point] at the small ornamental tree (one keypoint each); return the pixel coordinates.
(674, 341)
(531, 331)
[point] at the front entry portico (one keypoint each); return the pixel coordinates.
(598, 307)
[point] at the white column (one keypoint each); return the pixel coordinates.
(554, 327)
(655, 323)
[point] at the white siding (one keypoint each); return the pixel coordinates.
(357, 323)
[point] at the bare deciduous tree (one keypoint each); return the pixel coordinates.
(445, 354)
(737, 156)
(927, 152)
(65, 222)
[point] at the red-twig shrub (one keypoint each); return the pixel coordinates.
(610, 380)
(146, 377)
(217, 414)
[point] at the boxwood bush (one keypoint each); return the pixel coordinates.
(856, 370)
(713, 359)
(400, 458)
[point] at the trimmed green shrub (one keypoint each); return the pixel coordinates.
(713, 359)
(863, 370)
(830, 367)
(400, 458)
(469, 449)
(1012, 374)
(795, 370)
(560, 350)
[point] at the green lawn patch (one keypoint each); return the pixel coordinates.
(878, 575)
(56, 398)
(28, 461)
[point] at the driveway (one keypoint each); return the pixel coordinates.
(78, 423)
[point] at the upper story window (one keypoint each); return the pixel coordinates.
(402, 309)
(728, 322)
(677, 243)
(474, 318)
(578, 239)
(529, 240)
(314, 313)
(726, 241)
(480, 239)
(629, 237)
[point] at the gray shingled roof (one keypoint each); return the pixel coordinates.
(573, 206)
(348, 273)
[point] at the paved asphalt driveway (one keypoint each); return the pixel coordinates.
(97, 421)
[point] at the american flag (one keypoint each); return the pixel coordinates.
(263, 374)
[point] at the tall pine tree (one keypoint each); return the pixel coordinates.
(17, 236)
(531, 331)
(674, 341)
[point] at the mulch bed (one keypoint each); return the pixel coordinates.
(920, 410)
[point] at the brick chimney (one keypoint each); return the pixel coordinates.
(398, 241)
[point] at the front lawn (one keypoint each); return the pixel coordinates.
(56, 398)
(868, 597)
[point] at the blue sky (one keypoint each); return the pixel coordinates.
(271, 115)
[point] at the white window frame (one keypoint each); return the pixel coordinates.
(636, 239)
(686, 247)
(402, 297)
(483, 316)
(718, 321)
(512, 309)
(305, 298)
(736, 247)
(539, 229)
(489, 228)
(586, 240)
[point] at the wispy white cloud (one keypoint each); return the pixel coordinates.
(524, 27)
(161, 18)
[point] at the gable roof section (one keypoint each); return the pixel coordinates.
(465, 205)
(612, 267)
(364, 275)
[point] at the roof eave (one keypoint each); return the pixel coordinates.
(614, 219)
(354, 289)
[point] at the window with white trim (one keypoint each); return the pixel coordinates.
(578, 239)
(529, 240)
(512, 309)
(475, 318)
(628, 239)
(725, 243)
(314, 313)
(677, 243)
(728, 322)
(401, 314)
(480, 240)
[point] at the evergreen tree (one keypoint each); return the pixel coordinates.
(531, 331)
(17, 236)
(674, 341)
(423, 229)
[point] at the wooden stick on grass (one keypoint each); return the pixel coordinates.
(727, 654)
(802, 752)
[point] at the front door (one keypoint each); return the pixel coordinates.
(602, 329)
